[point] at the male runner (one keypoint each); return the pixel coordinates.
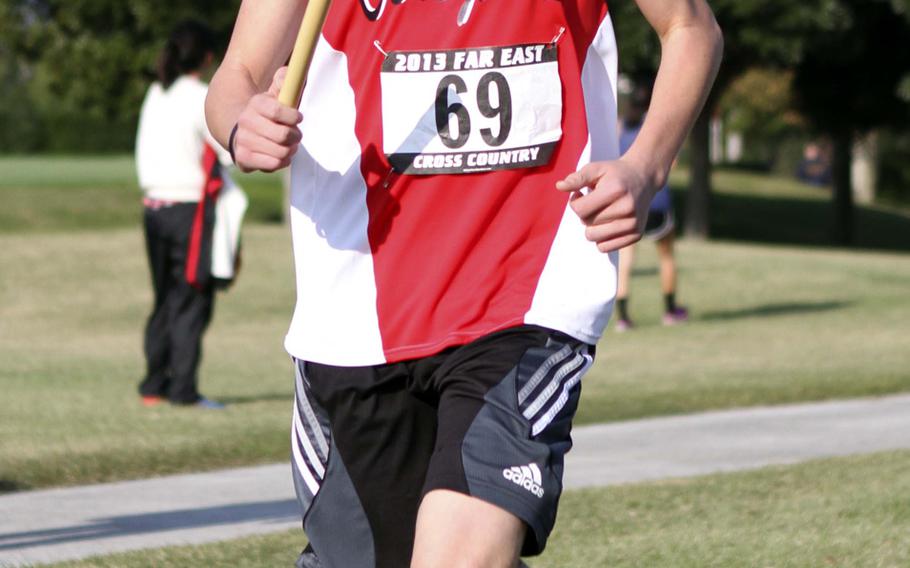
(455, 177)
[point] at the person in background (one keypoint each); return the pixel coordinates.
(660, 228)
(814, 168)
(179, 169)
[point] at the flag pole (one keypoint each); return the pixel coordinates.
(310, 28)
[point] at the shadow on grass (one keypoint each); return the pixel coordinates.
(772, 310)
(10, 486)
(799, 221)
(644, 271)
(270, 397)
(147, 524)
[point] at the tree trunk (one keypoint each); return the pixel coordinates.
(843, 191)
(698, 201)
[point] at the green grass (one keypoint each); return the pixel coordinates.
(848, 512)
(749, 207)
(41, 194)
(770, 325)
(73, 307)
(67, 172)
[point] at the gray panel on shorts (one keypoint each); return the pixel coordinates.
(308, 559)
(336, 523)
(500, 456)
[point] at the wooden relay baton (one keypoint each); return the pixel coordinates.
(310, 28)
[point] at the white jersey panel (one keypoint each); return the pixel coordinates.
(599, 78)
(578, 285)
(335, 318)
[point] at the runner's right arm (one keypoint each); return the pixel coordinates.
(616, 207)
(244, 91)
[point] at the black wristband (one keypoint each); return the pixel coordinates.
(231, 143)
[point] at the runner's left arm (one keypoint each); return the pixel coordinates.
(615, 208)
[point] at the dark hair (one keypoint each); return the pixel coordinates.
(185, 51)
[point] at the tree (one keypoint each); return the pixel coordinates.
(759, 105)
(850, 81)
(765, 33)
(89, 62)
(17, 114)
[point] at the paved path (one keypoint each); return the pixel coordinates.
(60, 524)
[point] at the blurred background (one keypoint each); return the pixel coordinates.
(815, 89)
(792, 200)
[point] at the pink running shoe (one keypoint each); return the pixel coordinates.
(623, 325)
(676, 316)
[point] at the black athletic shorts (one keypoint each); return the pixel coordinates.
(659, 224)
(489, 419)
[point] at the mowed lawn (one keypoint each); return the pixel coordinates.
(846, 512)
(77, 193)
(771, 324)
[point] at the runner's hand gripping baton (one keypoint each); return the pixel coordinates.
(310, 28)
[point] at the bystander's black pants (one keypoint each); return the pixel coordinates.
(173, 334)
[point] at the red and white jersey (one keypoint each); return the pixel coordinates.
(423, 207)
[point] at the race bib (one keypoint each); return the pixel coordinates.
(471, 110)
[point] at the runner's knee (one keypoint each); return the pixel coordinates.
(458, 531)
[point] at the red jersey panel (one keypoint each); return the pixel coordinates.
(452, 255)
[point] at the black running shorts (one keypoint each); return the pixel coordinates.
(489, 419)
(659, 224)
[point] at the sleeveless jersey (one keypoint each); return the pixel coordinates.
(423, 204)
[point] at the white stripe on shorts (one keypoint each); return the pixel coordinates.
(300, 463)
(308, 448)
(553, 387)
(540, 373)
(302, 403)
(560, 402)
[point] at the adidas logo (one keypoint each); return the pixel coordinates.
(526, 476)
